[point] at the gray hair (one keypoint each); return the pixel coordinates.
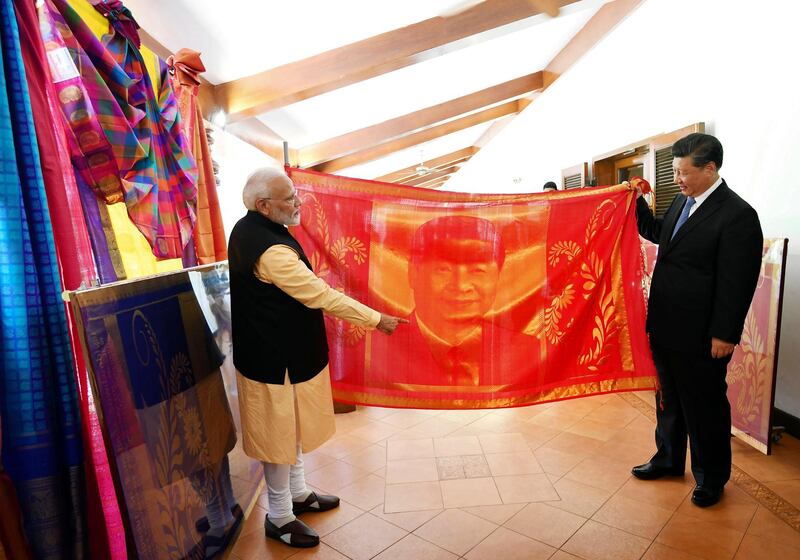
(259, 185)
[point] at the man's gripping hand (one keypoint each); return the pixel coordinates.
(388, 324)
(720, 348)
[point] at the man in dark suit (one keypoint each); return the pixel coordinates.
(709, 256)
(454, 268)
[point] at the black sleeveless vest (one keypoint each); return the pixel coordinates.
(272, 331)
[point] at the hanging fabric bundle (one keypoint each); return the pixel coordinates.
(125, 135)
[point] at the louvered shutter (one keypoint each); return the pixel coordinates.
(665, 188)
(573, 181)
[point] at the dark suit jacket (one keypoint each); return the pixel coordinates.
(504, 357)
(705, 277)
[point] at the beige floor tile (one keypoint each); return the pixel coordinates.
(556, 462)
(455, 530)
(667, 493)
(536, 436)
(405, 418)
(370, 459)
(578, 498)
(411, 470)
(412, 547)
(497, 424)
(502, 464)
(314, 460)
(556, 418)
(545, 523)
(573, 443)
(759, 548)
(595, 541)
(496, 514)
(601, 472)
(414, 496)
(364, 537)
(509, 545)
(364, 493)
(525, 488)
(331, 478)
(464, 417)
(469, 492)
(614, 415)
(621, 450)
(582, 406)
(328, 521)
(373, 412)
(769, 526)
(701, 538)
(453, 446)
(375, 431)
(503, 443)
(409, 449)
(409, 520)
(594, 429)
(658, 551)
(462, 466)
(639, 518)
(735, 510)
(437, 427)
(321, 552)
(345, 444)
(350, 421)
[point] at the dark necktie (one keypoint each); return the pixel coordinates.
(684, 215)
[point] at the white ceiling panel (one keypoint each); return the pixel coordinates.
(238, 38)
(416, 154)
(428, 83)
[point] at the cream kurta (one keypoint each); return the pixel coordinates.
(272, 414)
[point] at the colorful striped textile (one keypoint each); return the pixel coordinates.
(126, 140)
(42, 448)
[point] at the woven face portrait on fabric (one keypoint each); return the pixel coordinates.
(511, 299)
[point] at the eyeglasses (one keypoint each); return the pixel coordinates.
(290, 200)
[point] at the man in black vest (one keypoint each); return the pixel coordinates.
(709, 256)
(280, 350)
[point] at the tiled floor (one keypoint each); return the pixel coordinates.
(549, 481)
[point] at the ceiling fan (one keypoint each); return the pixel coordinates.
(549, 7)
(422, 169)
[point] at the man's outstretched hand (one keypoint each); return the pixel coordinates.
(388, 324)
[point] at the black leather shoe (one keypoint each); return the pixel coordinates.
(649, 471)
(295, 533)
(706, 495)
(315, 502)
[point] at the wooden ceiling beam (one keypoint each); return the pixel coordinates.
(393, 128)
(426, 135)
(256, 133)
(598, 26)
(370, 57)
(431, 176)
(435, 184)
(401, 175)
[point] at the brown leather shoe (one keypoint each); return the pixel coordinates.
(315, 502)
(295, 533)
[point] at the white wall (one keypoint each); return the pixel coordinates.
(732, 64)
(237, 160)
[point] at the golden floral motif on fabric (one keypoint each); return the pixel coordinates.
(346, 251)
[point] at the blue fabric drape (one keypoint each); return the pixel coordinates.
(42, 449)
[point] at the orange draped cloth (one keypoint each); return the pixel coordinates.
(511, 299)
(208, 235)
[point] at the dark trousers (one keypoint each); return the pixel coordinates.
(693, 402)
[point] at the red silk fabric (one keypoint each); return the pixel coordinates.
(511, 299)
